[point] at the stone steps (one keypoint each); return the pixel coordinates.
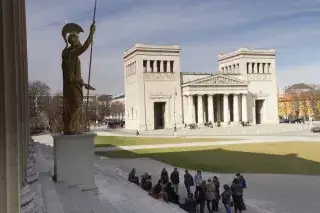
(112, 182)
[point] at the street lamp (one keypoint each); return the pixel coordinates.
(174, 111)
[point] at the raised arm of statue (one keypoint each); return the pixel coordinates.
(87, 43)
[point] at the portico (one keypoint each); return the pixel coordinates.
(216, 98)
(158, 95)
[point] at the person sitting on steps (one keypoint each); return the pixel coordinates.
(132, 177)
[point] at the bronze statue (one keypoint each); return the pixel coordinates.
(72, 81)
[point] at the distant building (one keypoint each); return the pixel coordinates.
(120, 97)
(159, 95)
(299, 100)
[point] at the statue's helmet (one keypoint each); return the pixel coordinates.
(70, 28)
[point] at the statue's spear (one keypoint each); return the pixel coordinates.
(90, 61)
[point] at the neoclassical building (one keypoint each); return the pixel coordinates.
(158, 95)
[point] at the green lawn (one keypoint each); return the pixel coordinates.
(274, 158)
(105, 141)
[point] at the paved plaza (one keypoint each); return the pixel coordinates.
(262, 130)
(266, 193)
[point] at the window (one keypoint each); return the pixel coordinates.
(158, 66)
(171, 66)
(131, 112)
(165, 66)
(144, 66)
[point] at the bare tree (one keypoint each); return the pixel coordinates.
(313, 100)
(103, 109)
(39, 96)
(117, 109)
(54, 111)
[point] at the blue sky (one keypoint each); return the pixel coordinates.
(202, 29)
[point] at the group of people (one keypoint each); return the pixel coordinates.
(206, 192)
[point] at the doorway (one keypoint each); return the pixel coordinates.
(259, 106)
(159, 112)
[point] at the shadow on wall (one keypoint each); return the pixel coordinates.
(225, 161)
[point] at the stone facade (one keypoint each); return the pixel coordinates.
(159, 95)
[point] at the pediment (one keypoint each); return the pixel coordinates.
(218, 80)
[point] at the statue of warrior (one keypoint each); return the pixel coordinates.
(72, 80)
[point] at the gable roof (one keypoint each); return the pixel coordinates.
(217, 79)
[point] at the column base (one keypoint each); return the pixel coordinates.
(225, 124)
(27, 201)
(74, 160)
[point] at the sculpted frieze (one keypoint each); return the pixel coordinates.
(220, 80)
(130, 72)
(259, 77)
(160, 96)
(131, 80)
(159, 76)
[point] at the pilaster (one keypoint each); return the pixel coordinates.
(200, 110)
(226, 114)
(244, 108)
(210, 108)
(235, 108)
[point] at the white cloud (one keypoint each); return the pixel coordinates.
(202, 29)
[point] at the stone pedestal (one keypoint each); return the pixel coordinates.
(74, 160)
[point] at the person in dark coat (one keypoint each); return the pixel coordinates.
(226, 198)
(173, 197)
(146, 182)
(188, 182)
(201, 196)
(164, 176)
(237, 190)
(175, 179)
(156, 191)
(217, 191)
(132, 177)
(243, 182)
(189, 205)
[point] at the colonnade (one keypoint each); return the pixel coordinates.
(215, 108)
(157, 66)
(258, 68)
(17, 150)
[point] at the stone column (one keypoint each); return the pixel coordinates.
(191, 109)
(154, 66)
(148, 66)
(235, 108)
(250, 67)
(200, 110)
(218, 108)
(210, 108)
(244, 108)
(168, 66)
(226, 115)
(10, 110)
(161, 66)
(254, 68)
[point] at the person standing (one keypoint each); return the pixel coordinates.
(188, 182)
(198, 180)
(211, 196)
(164, 177)
(237, 190)
(243, 183)
(175, 179)
(226, 198)
(201, 195)
(216, 182)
